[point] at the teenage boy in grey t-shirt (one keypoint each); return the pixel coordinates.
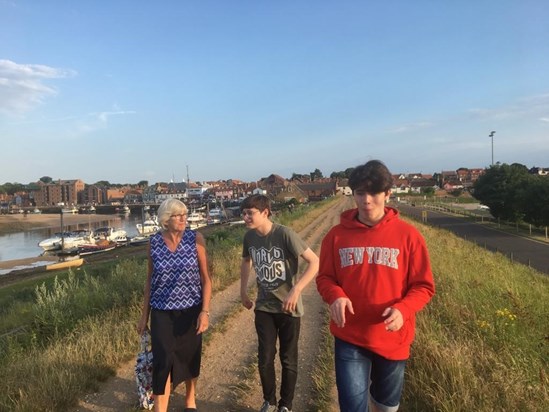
(274, 251)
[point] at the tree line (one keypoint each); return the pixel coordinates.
(514, 194)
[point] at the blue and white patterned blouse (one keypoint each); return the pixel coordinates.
(175, 281)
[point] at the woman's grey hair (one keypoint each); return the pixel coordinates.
(168, 208)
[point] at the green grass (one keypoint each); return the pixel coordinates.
(482, 341)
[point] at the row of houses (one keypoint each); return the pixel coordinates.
(302, 188)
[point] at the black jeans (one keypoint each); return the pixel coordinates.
(269, 327)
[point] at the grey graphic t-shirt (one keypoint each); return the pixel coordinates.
(275, 261)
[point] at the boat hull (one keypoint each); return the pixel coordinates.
(65, 264)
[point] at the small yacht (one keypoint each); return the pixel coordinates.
(215, 215)
(148, 227)
(111, 234)
(196, 220)
(124, 210)
(65, 240)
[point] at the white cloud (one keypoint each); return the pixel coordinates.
(104, 116)
(22, 85)
(527, 106)
(93, 122)
(544, 119)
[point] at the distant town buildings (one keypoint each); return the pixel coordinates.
(302, 188)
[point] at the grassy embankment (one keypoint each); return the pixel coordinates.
(62, 335)
(482, 342)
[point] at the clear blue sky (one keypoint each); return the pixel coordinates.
(138, 90)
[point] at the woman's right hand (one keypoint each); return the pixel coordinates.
(142, 326)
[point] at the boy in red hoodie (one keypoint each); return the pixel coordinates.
(375, 274)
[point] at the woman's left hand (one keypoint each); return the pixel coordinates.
(203, 322)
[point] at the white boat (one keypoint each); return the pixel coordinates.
(124, 210)
(148, 227)
(196, 220)
(216, 215)
(70, 210)
(87, 209)
(139, 240)
(111, 234)
(65, 240)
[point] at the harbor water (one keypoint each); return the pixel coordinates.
(22, 245)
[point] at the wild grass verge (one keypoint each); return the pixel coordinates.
(323, 372)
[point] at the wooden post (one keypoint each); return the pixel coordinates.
(62, 232)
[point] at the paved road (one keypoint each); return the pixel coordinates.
(519, 249)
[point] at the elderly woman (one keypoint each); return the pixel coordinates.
(177, 298)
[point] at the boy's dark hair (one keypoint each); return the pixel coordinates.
(372, 177)
(259, 202)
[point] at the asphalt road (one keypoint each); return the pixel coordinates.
(519, 249)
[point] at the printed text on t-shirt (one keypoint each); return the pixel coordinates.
(269, 265)
(376, 255)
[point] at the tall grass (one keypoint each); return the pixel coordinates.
(51, 377)
(224, 249)
(482, 342)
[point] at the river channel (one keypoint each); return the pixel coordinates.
(21, 245)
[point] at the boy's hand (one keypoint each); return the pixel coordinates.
(337, 310)
(290, 303)
(394, 319)
(246, 302)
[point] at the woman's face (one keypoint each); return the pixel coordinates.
(177, 221)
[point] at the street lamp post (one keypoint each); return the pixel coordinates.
(492, 136)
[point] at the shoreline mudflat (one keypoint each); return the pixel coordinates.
(20, 222)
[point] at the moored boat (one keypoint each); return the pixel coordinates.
(196, 220)
(123, 210)
(215, 216)
(148, 227)
(139, 240)
(65, 240)
(110, 234)
(97, 247)
(64, 264)
(69, 210)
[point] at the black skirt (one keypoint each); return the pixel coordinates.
(176, 347)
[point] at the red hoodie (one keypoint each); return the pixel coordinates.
(386, 265)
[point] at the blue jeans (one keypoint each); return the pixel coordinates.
(355, 368)
(269, 327)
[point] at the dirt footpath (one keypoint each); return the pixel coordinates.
(229, 381)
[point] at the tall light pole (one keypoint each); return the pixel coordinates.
(492, 136)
